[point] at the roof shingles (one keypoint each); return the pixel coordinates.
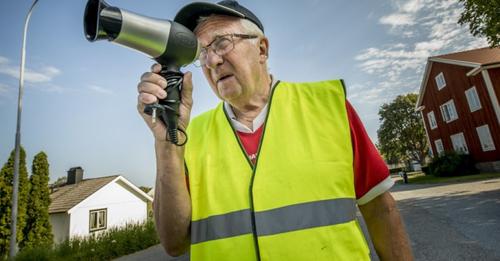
(482, 56)
(65, 197)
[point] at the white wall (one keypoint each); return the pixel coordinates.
(123, 206)
(60, 226)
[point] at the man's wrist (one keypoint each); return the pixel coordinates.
(165, 146)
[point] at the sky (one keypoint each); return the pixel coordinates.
(79, 104)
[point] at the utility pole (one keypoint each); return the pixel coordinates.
(15, 189)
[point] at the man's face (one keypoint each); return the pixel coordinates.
(235, 76)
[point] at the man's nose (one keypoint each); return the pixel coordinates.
(213, 59)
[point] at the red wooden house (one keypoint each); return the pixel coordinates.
(459, 104)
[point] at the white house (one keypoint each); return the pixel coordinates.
(84, 206)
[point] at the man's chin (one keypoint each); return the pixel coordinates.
(229, 96)
(227, 91)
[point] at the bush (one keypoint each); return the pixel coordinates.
(38, 252)
(452, 164)
(106, 245)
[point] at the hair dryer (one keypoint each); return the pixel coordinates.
(169, 43)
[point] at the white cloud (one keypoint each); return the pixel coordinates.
(3, 88)
(397, 19)
(45, 74)
(50, 87)
(50, 70)
(430, 46)
(412, 6)
(3, 60)
(398, 45)
(100, 89)
(368, 95)
(404, 15)
(389, 62)
(41, 75)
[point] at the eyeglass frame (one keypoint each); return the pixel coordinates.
(198, 62)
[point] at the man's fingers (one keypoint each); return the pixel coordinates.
(154, 78)
(151, 88)
(147, 98)
(156, 68)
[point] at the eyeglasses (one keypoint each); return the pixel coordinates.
(221, 45)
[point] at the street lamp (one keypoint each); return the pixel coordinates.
(15, 189)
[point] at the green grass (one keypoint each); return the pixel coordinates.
(421, 178)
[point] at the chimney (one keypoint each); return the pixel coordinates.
(75, 175)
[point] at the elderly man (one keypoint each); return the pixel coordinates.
(276, 170)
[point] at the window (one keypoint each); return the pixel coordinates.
(459, 144)
(473, 99)
(98, 219)
(432, 120)
(448, 111)
(440, 82)
(485, 137)
(439, 147)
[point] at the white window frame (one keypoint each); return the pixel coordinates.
(473, 99)
(432, 120)
(484, 134)
(440, 81)
(459, 143)
(439, 147)
(449, 111)
(98, 219)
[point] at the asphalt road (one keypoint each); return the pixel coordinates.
(452, 222)
(444, 222)
(154, 253)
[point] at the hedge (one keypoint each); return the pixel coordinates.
(106, 245)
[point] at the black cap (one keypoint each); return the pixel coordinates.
(189, 14)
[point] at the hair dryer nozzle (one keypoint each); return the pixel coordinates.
(169, 43)
(91, 20)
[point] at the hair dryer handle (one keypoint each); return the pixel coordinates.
(168, 109)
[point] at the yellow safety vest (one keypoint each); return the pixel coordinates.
(297, 203)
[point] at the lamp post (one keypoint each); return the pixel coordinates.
(15, 189)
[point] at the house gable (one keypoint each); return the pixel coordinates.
(127, 185)
(121, 202)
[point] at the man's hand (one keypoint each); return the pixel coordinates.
(151, 89)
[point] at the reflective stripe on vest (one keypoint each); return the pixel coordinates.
(285, 219)
(297, 203)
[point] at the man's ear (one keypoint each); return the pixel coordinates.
(263, 49)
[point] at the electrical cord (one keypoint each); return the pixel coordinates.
(168, 109)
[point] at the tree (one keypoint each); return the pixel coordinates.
(401, 134)
(61, 181)
(145, 189)
(38, 230)
(483, 17)
(6, 181)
